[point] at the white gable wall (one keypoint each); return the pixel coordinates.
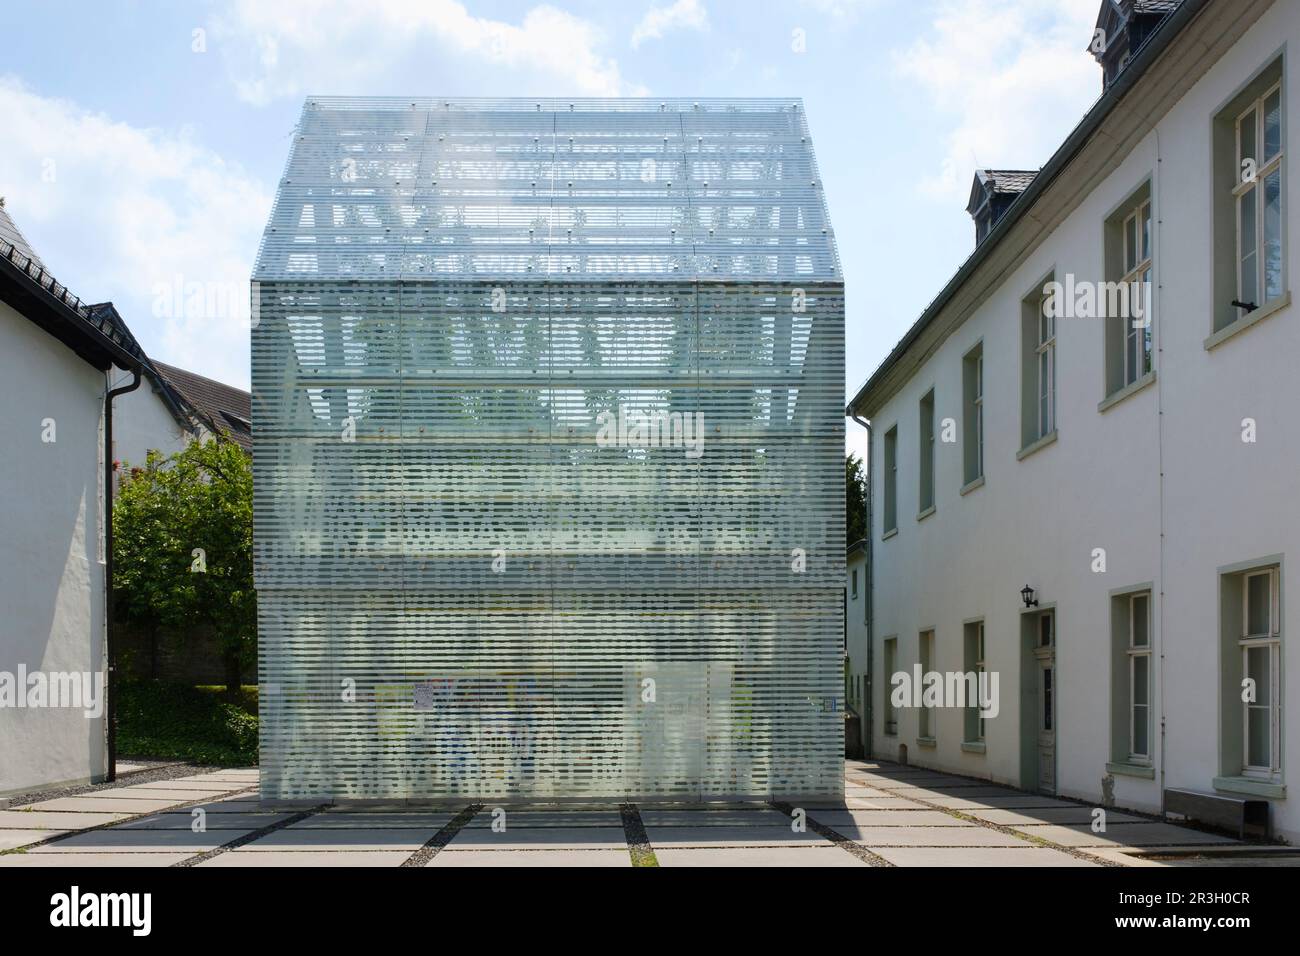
(51, 573)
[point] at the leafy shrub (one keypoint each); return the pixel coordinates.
(176, 721)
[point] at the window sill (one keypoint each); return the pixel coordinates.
(1117, 396)
(1145, 771)
(921, 516)
(973, 746)
(927, 742)
(1034, 446)
(1247, 320)
(972, 485)
(1254, 788)
(889, 534)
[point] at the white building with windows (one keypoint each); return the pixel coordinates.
(1084, 453)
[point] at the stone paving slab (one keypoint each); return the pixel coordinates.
(538, 838)
(1124, 834)
(688, 837)
(97, 804)
(244, 857)
(982, 856)
(233, 806)
(715, 818)
(184, 820)
(818, 856)
(13, 839)
(52, 820)
(881, 803)
(140, 841)
(534, 858)
(291, 839)
(963, 793)
(888, 818)
(972, 836)
(31, 858)
(1032, 816)
(563, 819)
(202, 782)
(1013, 802)
(360, 820)
(928, 780)
(168, 793)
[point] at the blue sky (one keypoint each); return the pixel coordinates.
(143, 139)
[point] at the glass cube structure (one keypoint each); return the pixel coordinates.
(548, 454)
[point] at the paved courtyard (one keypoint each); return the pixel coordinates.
(891, 815)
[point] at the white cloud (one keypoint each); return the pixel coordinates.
(682, 15)
(116, 211)
(1015, 77)
(292, 47)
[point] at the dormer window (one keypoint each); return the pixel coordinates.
(992, 194)
(1122, 27)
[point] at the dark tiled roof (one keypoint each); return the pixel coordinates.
(1125, 8)
(1013, 181)
(225, 407)
(11, 235)
(95, 332)
(1156, 6)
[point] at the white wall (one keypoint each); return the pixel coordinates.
(855, 630)
(1037, 521)
(51, 575)
(142, 421)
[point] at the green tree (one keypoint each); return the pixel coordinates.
(855, 499)
(183, 548)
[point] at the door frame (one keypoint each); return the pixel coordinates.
(1031, 658)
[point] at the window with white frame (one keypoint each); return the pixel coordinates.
(1261, 663)
(926, 653)
(973, 413)
(1258, 197)
(1045, 365)
(890, 480)
(1139, 678)
(974, 640)
(979, 674)
(1137, 280)
(925, 450)
(891, 664)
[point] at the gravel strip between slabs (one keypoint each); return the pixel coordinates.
(638, 841)
(250, 837)
(168, 772)
(839, 839)
(439, 840)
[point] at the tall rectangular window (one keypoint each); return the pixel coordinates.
(891, 665)
(1045, 363)
(1249, 164)
(1126, 297)
(974, 661)
(1139, 677)
(1038, 364)
(1261, 664)
(1258, 195)
(926, 453)
(926, 652)
(889, 477)
(1137, 279)
(972, 386)
(855, 583)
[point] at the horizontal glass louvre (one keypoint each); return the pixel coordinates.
(543, 516)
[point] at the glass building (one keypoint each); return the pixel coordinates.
(548, 454)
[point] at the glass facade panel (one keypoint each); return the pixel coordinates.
(548, 453)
